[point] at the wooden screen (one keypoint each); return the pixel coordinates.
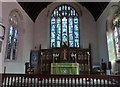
(65, 54)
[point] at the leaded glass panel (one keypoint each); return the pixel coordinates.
(12, 38)
(58, 32)
(64, 27)
(64, 30)
(116, 38)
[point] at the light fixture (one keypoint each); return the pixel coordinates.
(2, 31)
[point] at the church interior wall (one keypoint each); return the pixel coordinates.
(1, 40)
(37, 33)
(87, 29)
(25, 44)
(102, 36)
(1, 47)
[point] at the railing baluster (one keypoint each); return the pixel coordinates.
(27, 81)
(64, 81)
(104, 82)
(78, 82)
(30, 82)
(37, 82)
(4, 80)
(44, 81)
(71, 81)
(54, 82)
(11, 82)
(24, 80)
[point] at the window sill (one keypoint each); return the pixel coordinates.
(9, 60)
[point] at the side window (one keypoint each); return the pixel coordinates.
(113, 40)
(116, 36)
(12, 40)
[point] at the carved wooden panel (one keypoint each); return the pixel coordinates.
(65, 54)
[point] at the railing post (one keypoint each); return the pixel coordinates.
(90, 59)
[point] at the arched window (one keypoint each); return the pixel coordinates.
(12, 37)
(116, 36)
(64, 27)
(113, 40)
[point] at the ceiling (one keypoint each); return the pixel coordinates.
(34, 8)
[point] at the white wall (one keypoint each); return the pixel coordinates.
(25, 44)
(1, 50)
(1, 40)
(41, 33)
(89, 34)
(87, 29)
(101, 32)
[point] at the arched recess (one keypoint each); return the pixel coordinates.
(15, 36)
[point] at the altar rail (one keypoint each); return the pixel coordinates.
(37, 80)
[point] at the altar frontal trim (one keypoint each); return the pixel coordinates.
(65, 68)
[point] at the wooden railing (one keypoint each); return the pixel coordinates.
(37, 80)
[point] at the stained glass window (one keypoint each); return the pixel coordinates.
(12, 38)
(111, 48)
(117, 38)
(113, 40)
(64, 27)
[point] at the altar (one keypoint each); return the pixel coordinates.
(63, 60)
(65, 68)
